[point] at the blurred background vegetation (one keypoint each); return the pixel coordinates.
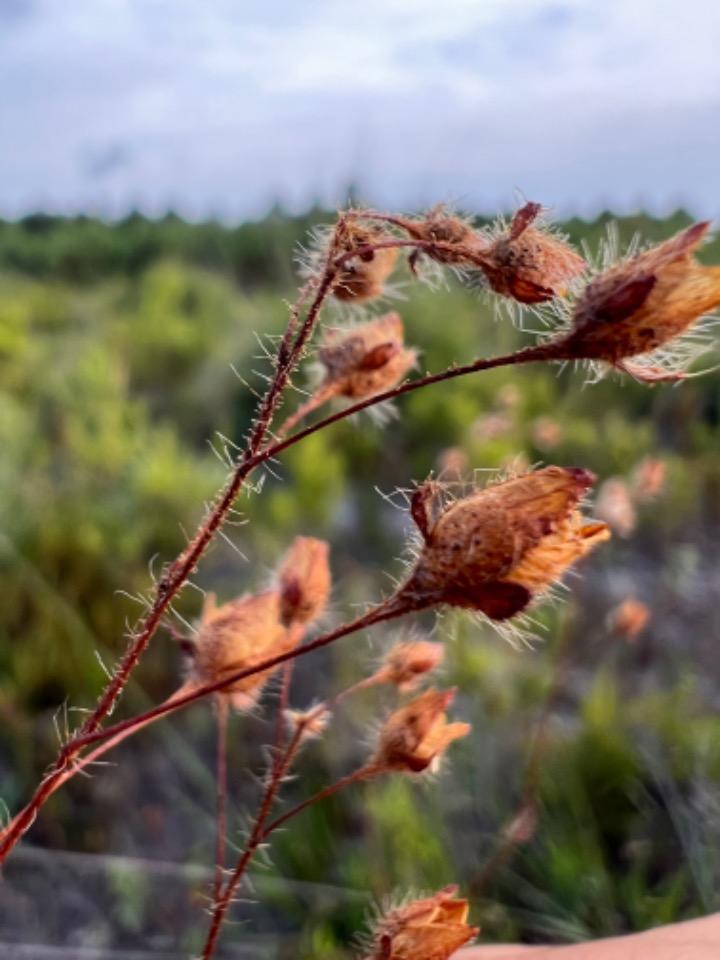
(118, 346)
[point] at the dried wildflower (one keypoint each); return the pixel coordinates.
(458, 242)
(429, 929)
(496, 549)
(628, 619)
(365, 361)
(311, 723)
(648, 479)
(642, 305)
(415, 736)
(546, 433)
(240, 634)
(614, 505)
(407, 663)
(304, 581)
(361, 277)
(528, 263)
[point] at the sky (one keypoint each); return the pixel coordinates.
(224, 107)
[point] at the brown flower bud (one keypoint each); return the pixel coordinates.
(449, 231)
(406, 663)
(628, 619)
(429, 929)
(644, 303)
(528, 263)
(416, 735)
(362, 277)
(367, 360)
(237, 635)
(494, 550)
(648, 479)
(615, 507)
(304, 581)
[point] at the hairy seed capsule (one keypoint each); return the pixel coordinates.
(416, 735)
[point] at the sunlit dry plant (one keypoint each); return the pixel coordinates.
(627, 315)
(498, 548)
(429, 929)
(363, 275)
(527, 262)
(415, 736)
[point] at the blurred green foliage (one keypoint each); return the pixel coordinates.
(118, 351)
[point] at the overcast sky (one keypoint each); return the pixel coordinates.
(220, 107)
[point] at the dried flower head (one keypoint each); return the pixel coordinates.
(310, 723)
(304, 581)
(628, 619)
(365, 361)
(614, 505)
(415, 736)
(648, 479)
(528, 263)
(499, 547)
(408, 662)
(643, 304)
(458, 243)
(361, 277)
(237, 635)
(429, 929)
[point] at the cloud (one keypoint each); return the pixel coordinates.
(229, 105)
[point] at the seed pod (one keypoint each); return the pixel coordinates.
(304, 581)
(642, 304)
(429, 929)
(416, 735)
(237, 635)
(407, 663)
(365, 361)
(362, 277)
(449, 230)
(529, 264)
(494, 550)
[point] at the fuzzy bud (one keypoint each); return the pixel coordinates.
(367, 360)
(362, 277)
(644, 303)
(429, 929)
(415, 736)
(529, 264)
(460, 243)
(407, 663)
(628, 619)
(238, 635)
(494, 550)
(304, 581)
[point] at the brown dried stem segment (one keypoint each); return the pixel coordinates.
(498, 548)
(429, 929)
(642, 304)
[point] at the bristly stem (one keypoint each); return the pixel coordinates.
(221, 716)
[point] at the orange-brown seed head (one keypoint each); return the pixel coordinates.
(429, 929)
(367, 360)
(238, 635)
(407, 663)
(644, 303)
(527, 263)
(417, 734)
(362, 277)
(495, 549)
(304, 581)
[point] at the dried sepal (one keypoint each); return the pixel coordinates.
(630, 313)
(499, 547)
(414, 737)
(365, 361)
(361, 277)
(429, 929)
(304, 581)
(528, 263)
